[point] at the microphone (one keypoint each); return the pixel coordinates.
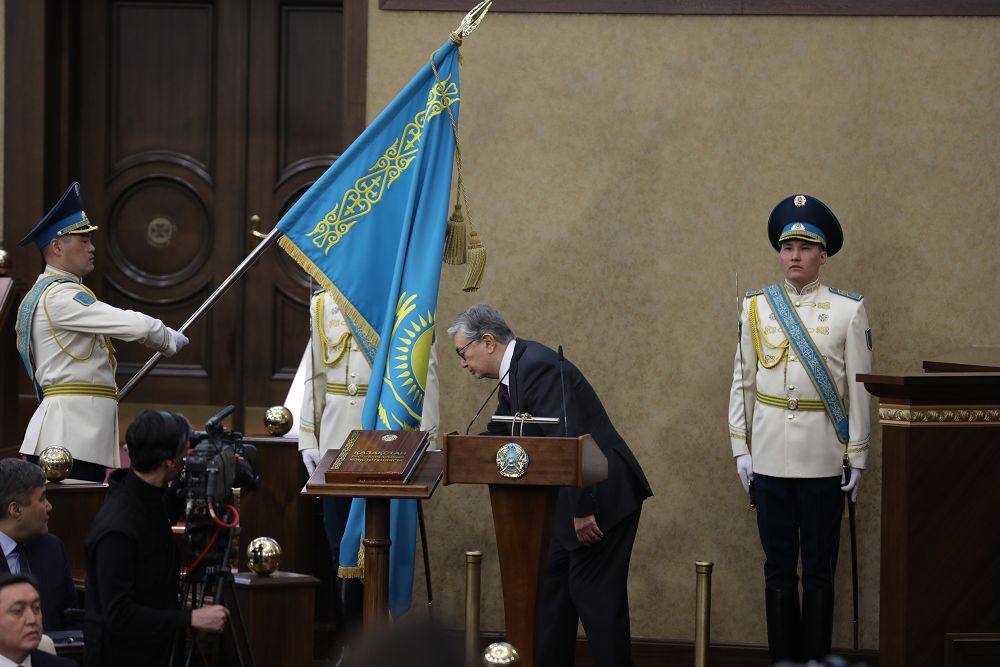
(562, 390)
(483, 406)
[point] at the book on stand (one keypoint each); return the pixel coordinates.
(378, 457)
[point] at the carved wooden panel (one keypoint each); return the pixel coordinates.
(161, 86)
(291, 331)
(301, 120)
(163, 89)
(159, 230)
(311, 74)
(971, 649)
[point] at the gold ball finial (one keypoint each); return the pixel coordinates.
(56, 463)
(278, 420)
(263, 555)
(4, 262)
(501, 653)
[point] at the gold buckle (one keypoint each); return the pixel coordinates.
(793, 403)
(352, 389)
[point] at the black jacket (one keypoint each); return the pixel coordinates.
(535, 388)
(133, 567)
(50, 567)
(43, 659)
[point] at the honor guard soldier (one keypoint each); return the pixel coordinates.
(64, 337)
(797, 406)
(333, 401)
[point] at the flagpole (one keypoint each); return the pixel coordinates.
(223, 287)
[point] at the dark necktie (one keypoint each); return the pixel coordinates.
(22, 560)
(505, 395)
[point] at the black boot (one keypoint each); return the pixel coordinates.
(784, 624)
(336, 606)
(817, 623)
(351, 600)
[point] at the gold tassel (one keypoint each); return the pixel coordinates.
(454, 239)
(476, 259)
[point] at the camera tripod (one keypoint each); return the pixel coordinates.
(219, 578)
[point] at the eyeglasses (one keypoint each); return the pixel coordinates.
(461, 351)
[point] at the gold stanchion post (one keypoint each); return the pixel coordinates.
(703, 618)
(473, 571)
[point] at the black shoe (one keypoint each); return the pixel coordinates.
(817, 623)
(784, 624)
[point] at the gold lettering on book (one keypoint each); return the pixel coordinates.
(376, 456)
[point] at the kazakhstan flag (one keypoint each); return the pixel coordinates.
(371, 232)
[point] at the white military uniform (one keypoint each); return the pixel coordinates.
(75, 366)
(792, 436)
(336, 381)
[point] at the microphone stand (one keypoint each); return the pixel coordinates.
(562, 390)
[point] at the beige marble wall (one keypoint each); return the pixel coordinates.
(621, 170)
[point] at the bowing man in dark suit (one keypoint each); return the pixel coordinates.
(27, 546)
(593, 528)
(21, 625)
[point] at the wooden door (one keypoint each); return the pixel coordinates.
(163, 141)
(195, 116)
(306, 106)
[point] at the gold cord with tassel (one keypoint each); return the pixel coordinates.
(454, 239)
(476, 259)
(476, 254)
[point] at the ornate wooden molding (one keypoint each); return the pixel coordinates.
(908, 415)
(718, 7)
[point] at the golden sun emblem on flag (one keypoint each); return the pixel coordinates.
(409, 356)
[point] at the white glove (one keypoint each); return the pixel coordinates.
(744, 468)
(310, 459)
(854, 485)
(178, 339)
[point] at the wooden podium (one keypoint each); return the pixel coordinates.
(940, 572)
(420, 486)
(522, 511)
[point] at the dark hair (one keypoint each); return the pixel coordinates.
(18, 480)
(154, 437)
(7, 579)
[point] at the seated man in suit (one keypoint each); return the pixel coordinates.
(28, 548)
(21, 625)
(594, 528)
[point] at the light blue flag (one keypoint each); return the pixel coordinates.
(371, 231)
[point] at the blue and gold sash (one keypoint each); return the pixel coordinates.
(812, 360)
(25, 314)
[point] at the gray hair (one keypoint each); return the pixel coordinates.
(18, 479)
(479, 320)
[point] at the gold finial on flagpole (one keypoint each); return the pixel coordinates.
(471, 21)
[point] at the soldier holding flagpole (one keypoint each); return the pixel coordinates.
(64, 337)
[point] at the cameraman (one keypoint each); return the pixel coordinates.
(134, 613)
